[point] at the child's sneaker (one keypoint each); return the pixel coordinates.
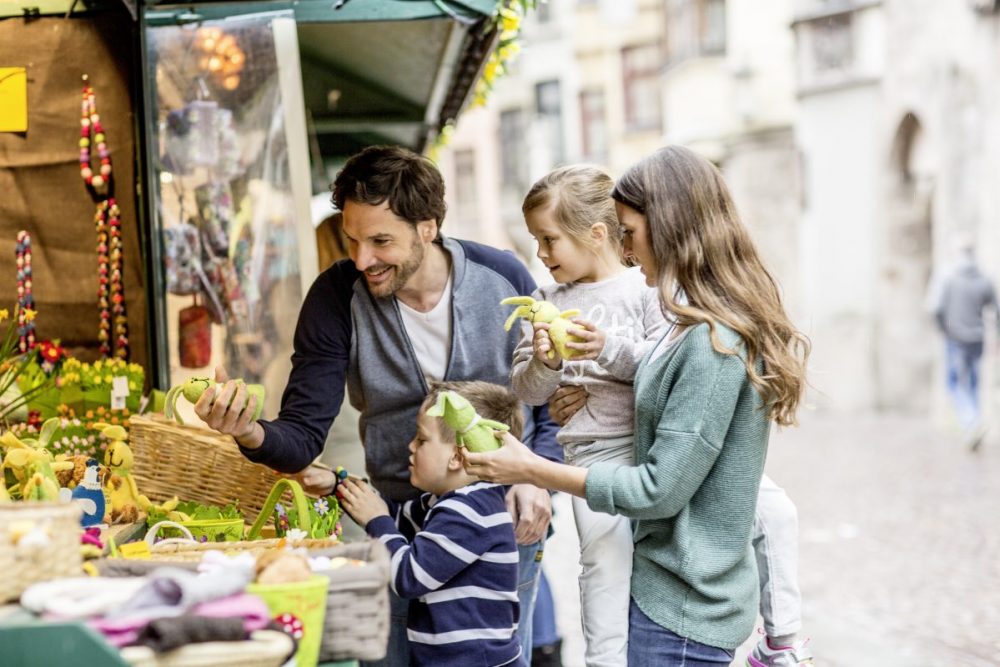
(763, 655)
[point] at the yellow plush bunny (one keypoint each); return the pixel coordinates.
(546, 312)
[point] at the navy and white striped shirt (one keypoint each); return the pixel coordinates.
(455, 559)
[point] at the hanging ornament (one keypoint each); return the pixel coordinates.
(113, 332)
(25, 299)
(92, 135)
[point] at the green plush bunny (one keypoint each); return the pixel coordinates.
(471, 431)
(195, 387)
(546, 312)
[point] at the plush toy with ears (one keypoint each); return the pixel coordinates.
(545, 312)
(195, 387)
(471, 431)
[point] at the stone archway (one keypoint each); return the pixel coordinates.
(906, 337)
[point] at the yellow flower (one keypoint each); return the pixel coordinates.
(97, 365)
(4, 314)
(108, 378)
(29, 315)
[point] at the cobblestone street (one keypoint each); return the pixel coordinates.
(900, 546)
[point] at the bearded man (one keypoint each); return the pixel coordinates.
(409, 306)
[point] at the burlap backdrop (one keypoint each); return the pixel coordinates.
(40, 186)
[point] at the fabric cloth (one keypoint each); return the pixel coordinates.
(628, 311)
(171, 591)
(166, 634)
(776, 547)
(651, 645)
(430, 334)
(961, 300)
(80, 597)
(455, 559)
(700, 443)
(124, 630)
(606, 563)
(342, 328)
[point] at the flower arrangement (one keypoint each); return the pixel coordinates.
(81, 386)
(506, 21)
(75, 435)
(324, 518)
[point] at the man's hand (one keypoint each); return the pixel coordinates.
(565, 402)
(361, 501)
(316, 480)
(220, 409)
(531, 508)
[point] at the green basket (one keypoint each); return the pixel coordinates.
(303, 604)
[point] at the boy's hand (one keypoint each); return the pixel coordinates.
(361, 501)
(543, 346)
(592, 337)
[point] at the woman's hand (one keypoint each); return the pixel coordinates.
(565, 402)
(511, 464)
(592, 340)
(543, 346)
(361, 501)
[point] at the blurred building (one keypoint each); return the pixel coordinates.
(854, 135)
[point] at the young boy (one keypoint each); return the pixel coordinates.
(453, 550)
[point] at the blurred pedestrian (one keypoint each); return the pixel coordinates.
(962, 297)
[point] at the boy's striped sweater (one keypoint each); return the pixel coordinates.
(455, 558)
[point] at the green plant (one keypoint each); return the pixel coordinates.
(324, 518)
(14, 398)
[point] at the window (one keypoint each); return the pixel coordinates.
(465, 185)
(548, 105)
(513, 151)
(832, 47)
(695, 28)
(641, 77)
(543, 10)
(593, 126)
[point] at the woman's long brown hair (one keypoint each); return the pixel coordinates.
(708, 270)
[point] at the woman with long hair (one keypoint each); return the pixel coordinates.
(705, 396)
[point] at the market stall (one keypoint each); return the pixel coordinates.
(158, 163)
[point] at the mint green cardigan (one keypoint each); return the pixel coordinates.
(700, 442)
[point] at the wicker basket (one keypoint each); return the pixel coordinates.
(56, 555)
(357, 604)
(194, 464)
(265, 648)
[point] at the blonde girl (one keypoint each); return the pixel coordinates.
(705, 397)
(572, 217)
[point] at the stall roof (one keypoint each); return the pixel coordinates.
(373, 71)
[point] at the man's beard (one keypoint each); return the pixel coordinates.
(401, 273)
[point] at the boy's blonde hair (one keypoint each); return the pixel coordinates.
(491, 401)
(581, 197)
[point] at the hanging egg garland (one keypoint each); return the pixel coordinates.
(25, 299)
(113, 332)
(92, 135)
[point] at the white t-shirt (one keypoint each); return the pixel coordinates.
(430, 334)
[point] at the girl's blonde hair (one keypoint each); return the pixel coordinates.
(705, 254)
(581, 197)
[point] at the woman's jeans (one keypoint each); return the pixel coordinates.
(651, 645)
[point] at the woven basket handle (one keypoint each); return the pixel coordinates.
(155, 530)
(279, 488)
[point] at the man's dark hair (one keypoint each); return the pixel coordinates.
(409, 182)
